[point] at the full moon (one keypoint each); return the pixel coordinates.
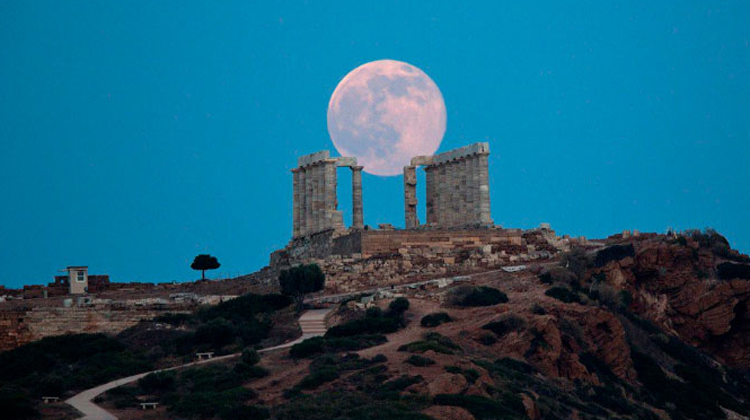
(384, 113)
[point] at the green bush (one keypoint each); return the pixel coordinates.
(247, 371)
(16, 404)
(469, 296)
(432, 341)
(399, 305)
(245, 307)
(730, 271)
(173, 319)
(538, 309)
(557, 274)
(471, 375)
(488, 339)
(301, 280)
(435, 319)
(484, 408)
(351, 361)
(419, 361)
(208, 404)
(158, 382)
(71, 362)
(250, 357)
(318, 345)
(319, 377)
(563, 293)
(577, 261)
(367, 325)
(507, 323)
(245, 412)
(216, 333)
(613, 253)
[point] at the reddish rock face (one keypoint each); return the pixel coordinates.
(674, 285)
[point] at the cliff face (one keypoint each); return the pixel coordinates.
(675, 284)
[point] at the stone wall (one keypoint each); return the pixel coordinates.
(375, 258)
(21, 324)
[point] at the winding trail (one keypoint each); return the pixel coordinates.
(311, 322)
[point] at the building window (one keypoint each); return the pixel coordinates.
(79, 276)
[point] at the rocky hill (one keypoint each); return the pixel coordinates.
(647, 327)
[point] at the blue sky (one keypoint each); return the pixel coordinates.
(136, 135)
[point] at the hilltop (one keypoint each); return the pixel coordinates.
(646, 327)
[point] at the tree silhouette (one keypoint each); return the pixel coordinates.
(205, 262)
(300, 280)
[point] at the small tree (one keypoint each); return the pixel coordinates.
(298, 281)
(205, 262)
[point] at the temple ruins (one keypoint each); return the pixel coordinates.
(457, 188)
(457, 191)
(458, 235)
(315, 203)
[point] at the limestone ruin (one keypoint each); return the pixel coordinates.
(457, 191)
(315, 202)
(457, 188)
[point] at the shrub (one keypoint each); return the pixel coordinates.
(351, 361)
(158, 382)
(172, 319)
(245, 412)
(507, 323)
(557, 274)
(729, 271)
(245, 307)
(471, 375)
(250, 357)
(576, 260)
(399, 305)
(432, 341)
(613, 253)
(484, 408)
(476, 296)
(301, 280)
(318, 345)
(247, 371)
(16, 404)
(318, 378)
(435, 319)
(513, 364)
(419, 361)
(217, 333)
(537, 309)
(208, 404)
(562, 293)
(366, 325)
(488, 339)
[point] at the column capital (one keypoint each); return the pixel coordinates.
(356, 168)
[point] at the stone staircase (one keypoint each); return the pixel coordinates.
(313, 322)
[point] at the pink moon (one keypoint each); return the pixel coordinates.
(384, 113)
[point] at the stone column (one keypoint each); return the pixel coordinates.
(429, 175)
(441, 191)
(473, 189)
(312, 171)
(295, 202)
(484, 189)
(306, 209)
(329, 194)
(451, 173)
(358, 220)
(410, 197)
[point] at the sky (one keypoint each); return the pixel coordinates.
(136, 135)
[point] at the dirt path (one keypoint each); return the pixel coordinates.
(310, 323)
